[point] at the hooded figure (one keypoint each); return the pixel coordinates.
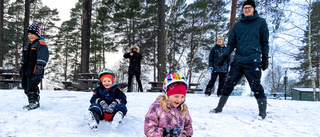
(134, 66)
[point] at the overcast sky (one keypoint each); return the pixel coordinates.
(63, 6)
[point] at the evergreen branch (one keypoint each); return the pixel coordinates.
(195, 53)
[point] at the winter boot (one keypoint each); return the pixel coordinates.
(262, 104)
(222, 101)
(207, 92)
(31, 106)
(91, 120)
(117, 120)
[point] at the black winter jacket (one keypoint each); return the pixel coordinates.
(250, 36)
(35, 53)
(108, 95)
(135, 63)
(214, 58)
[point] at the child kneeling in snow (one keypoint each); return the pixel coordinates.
(108, 102)
(168, 116)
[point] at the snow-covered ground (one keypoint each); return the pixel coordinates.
(61, 114)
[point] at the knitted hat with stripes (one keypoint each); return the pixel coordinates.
(35, 29)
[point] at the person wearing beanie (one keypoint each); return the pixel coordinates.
(250, 38)
(170, 106)
(108, 102)
(134, 66)
(214, 57)
(35, 56)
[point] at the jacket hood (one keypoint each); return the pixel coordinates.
(250, 18)
(134, 46)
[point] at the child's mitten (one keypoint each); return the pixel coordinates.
(112, 106)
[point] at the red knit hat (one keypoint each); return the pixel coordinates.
(177, 88)
(107, 75)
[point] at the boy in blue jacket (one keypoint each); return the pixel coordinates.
(108, 102)
(34, 58)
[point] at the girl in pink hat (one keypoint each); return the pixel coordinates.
(169, 116)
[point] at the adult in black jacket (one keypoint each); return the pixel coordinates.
(250, 37)
(214, 57)
(135, 66)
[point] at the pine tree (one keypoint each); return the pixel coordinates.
(14, 33)
(1, 31)
(101, 41)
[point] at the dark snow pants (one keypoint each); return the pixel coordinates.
(222, 79)
(31, 89)
(96, 109)
(252, 72)
(138, 80)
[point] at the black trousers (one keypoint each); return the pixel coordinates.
(222, 79)
(252, 72)
(31, 89)
(138, 80)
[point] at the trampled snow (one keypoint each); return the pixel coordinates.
(61, 113)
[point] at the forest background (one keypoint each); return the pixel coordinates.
(173, 36)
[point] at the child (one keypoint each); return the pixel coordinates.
(34, 58)
(108, 102)
(168, 116)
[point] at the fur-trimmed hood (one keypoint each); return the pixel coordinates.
(134, 46)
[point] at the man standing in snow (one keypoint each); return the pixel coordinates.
(214, 57)
(250, 36)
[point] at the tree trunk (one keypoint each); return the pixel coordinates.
(17, 44)
(1, 31)
(309, 54)
(154, 57)
(318, 73)
(26, 22)
(85, 35)
(233, 14)
(162, 57)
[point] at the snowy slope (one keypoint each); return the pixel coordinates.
(61, 114)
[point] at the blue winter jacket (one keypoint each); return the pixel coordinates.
(214, 58)
(108, 95)
(250, 36)
(35, 53)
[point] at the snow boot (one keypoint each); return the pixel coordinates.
(31, 106)
(91, 120)
(207, 92)
(222, 102)
(262, 104)
(117, 120)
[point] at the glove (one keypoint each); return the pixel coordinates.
(20, 72)
(104, 105)
(111, 107)
(210, 69)
(222, 60)
(39, 73)
(264, 63)
(174, 132)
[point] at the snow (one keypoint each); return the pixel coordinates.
(62, 114)
(306, 89)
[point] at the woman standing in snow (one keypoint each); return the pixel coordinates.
(135, 66)
(168, 116)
